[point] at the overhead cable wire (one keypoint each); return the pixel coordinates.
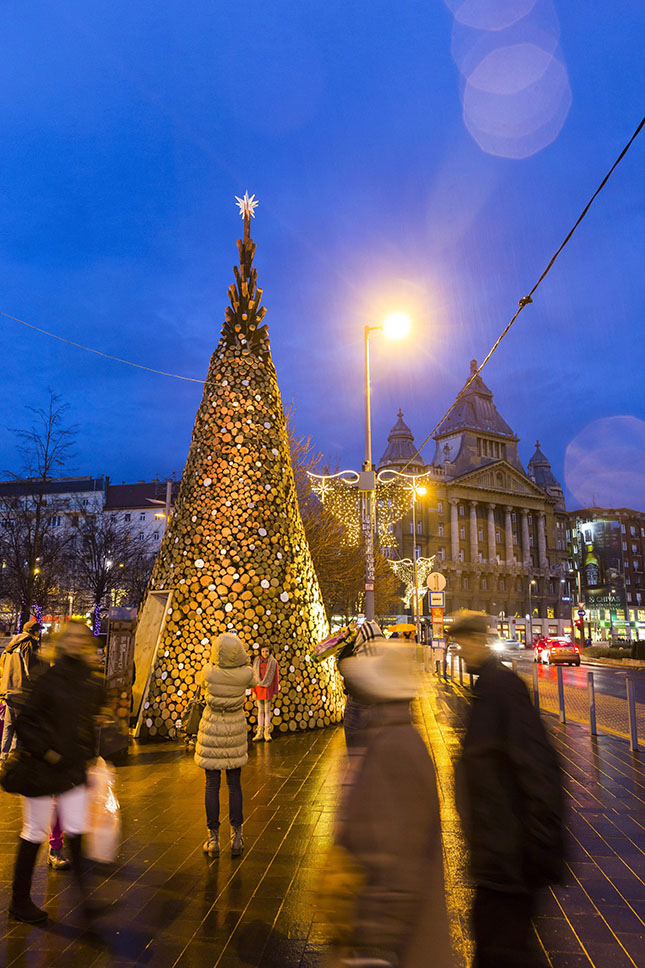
(522, 304)
(525, 300)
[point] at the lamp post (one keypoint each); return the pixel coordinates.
(532, 582)
(396, 326)
(418, 490)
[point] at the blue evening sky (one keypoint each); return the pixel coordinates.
(427, 156)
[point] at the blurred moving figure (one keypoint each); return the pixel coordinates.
(368, 639)
(389, 821)
(18, 661)
(56, 732)
(222, 740)
(510, 799)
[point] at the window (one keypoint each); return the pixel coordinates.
(442, 554)
(84, 502)
(419, 527)
(513, 517)
(529, 518)
(462, 510)
(635, 565)
(624, 546)
(411, 528)
(155, 536)
(628, 580)
(142, 516)
(623, 529)
(481, 558)
(642, 532)
(417, 551)
(514, 539)
(502, 585)
(635, 549)
(632, 530)
(440, 530)
(461, 555)
(141, 536)
(464, 583)
(530, 541)
(127, 517)
(629, 596)
(559, 545)
(480, 534)
(498, 537)
(440, 507)
(484, 584)
(462, 533)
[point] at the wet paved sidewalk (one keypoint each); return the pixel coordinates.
(171, 907)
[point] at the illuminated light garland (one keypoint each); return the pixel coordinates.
(403, 568)
(393, 495)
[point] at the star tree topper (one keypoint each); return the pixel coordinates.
(247, 205)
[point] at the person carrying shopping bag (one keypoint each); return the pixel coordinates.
(222, 741)
(56, 737)
(265, 668)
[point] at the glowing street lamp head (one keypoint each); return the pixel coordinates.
(420, 490)
(397, 326)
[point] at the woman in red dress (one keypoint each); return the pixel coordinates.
(265, 667)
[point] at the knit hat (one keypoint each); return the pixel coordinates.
(468, 623)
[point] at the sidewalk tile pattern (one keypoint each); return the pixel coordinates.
(168, 906)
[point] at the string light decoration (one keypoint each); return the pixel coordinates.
(404, 571)
(394, 492)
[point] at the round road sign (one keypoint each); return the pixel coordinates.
(436, 581)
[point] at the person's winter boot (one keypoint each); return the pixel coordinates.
(211, 844)
(89, 908)
(57, 861)
(22, 908)
(267, 734)
(258, 734)
(237, 842)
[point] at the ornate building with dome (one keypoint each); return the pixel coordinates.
(498, 531)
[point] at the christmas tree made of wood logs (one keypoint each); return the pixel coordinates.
(234, 556)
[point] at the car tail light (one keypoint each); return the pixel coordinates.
(577, 648)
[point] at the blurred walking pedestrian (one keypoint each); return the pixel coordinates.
(510, 799)
(265, 667)
(368, 638)
(55, 728)
(18, 662)
(222, 740)
(389, 822)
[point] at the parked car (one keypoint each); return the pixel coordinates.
(505, 645)
(558, 650)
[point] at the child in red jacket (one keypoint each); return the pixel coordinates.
(265, 667)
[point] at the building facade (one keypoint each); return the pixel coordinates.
(498, 532)
(607, 549)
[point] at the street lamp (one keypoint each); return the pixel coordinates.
(532, 582)
(395, 326)
(418, 490)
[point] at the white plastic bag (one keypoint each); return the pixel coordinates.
(103, 819)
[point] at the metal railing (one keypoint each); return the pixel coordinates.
(572, 703)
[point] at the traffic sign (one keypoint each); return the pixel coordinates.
(437, 615)
(436, 581)
(438, 599)
(581, 613)
(369, 586)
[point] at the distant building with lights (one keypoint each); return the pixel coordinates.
(607, 549)
(499, 532)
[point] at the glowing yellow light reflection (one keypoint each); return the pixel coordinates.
(397, 325)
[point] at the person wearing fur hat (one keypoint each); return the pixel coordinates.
(222, 742)
(389, 822)
(265, 667)
(368, 637)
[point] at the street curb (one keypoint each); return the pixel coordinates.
(614, 663)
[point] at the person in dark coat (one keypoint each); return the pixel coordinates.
(389, 822)
(18, 662)
(510, 800)
(57, 738)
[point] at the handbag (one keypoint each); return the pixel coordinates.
(194, 713)
(19, 775)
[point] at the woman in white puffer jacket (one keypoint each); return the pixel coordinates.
(222, 740)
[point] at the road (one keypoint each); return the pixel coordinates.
(607, 680)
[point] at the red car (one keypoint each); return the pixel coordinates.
(556, 650)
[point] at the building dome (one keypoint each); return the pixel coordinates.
(400, 446)
(539, 469)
